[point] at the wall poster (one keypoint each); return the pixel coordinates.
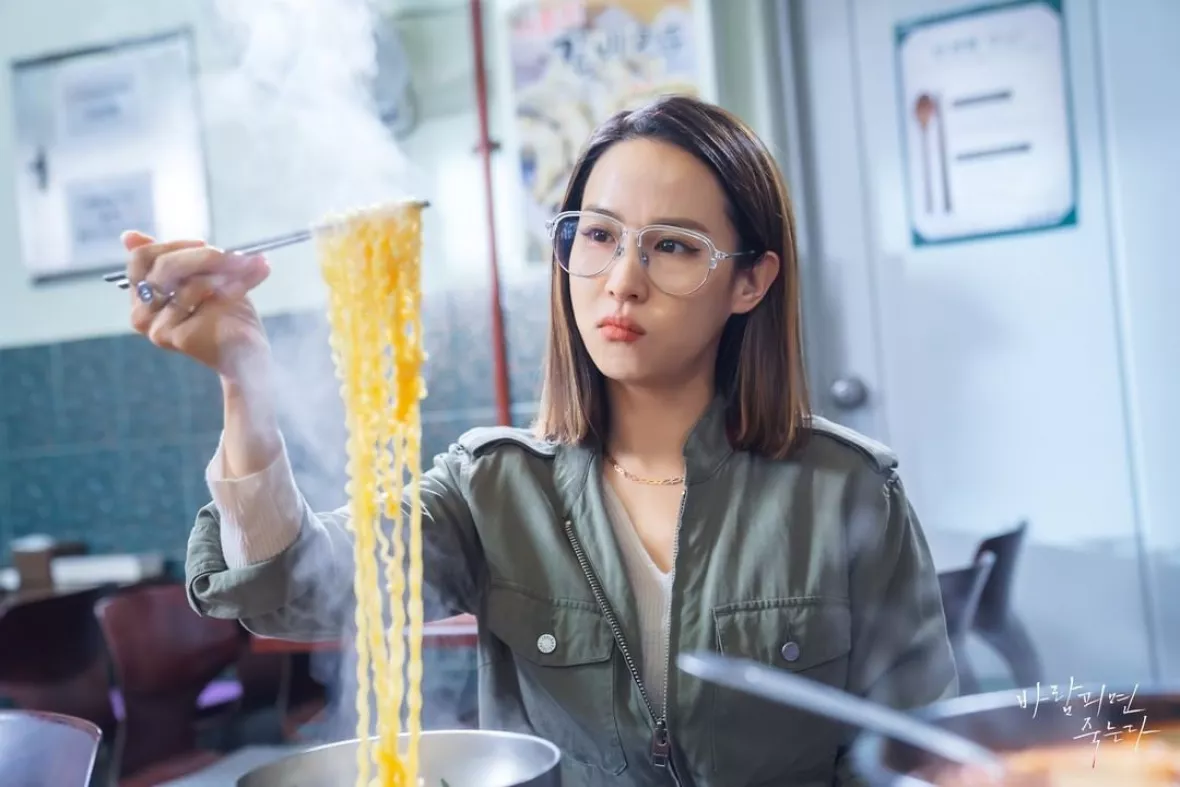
(986, 114)
(577, 62)
(107, 139)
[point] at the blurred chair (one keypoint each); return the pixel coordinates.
(165, 658)
(46, 749)
(281, 683)
(52, 656)
(961, 590)
(995, 621)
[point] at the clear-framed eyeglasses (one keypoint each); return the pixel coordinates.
(678, 261)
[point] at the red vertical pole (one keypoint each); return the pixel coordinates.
(499, 360)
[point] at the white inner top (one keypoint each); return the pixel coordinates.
(652, 589)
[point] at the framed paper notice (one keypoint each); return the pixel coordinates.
(107, 139)
(986, 120)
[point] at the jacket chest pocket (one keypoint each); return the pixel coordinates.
(756, 741)
(564, 656)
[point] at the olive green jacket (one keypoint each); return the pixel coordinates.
(815, 564)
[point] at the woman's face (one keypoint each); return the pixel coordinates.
(666, 339)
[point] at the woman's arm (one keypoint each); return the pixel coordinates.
(259, 554)
(901, 655)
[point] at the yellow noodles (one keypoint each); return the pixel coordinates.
(371, 264)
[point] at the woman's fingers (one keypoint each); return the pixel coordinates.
(194, 292)
(184, 303)
(174, 267)
(238, 281)
(133, 239)
(141, 314)
(252, 273)
(183, 275)
(144, 256)
(166, 266)
(163, 323)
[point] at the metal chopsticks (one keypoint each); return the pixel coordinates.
(119, 278)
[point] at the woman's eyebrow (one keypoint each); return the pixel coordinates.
(688, 224)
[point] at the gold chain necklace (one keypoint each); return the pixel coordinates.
(640, 480)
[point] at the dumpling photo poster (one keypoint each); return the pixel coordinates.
(574, 64)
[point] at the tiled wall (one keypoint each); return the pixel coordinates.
(106, 440)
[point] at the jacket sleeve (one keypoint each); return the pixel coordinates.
(305, 592)
(901, 655)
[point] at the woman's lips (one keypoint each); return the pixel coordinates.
(613, 333)
(620, 329)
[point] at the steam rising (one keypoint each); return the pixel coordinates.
(293, 108)
(300, 91)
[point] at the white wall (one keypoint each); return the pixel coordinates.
(1141, 94)
(1138, 71)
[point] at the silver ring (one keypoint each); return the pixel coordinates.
(149, 294)
(145, 292)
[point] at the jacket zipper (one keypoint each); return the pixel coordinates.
(661, 740)
(662, 749)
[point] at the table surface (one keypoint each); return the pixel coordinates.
(13, 598)
(460, 631)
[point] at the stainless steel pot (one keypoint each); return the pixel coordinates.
(999, 722)
(461, 758)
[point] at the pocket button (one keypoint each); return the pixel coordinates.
(546, 643)
(790, 651)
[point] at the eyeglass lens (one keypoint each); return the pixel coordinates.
(677, 261)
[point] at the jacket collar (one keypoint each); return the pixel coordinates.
(707, 446)
(705, 450)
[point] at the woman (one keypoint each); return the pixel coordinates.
(675, 493)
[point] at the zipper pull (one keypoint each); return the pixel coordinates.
(661, 745)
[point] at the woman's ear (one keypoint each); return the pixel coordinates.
(752, 283)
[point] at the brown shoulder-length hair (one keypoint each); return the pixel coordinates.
(760, 368)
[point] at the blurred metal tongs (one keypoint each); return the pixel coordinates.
(119, 278)
(796, 691)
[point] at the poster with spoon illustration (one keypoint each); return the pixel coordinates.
(987, 126)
